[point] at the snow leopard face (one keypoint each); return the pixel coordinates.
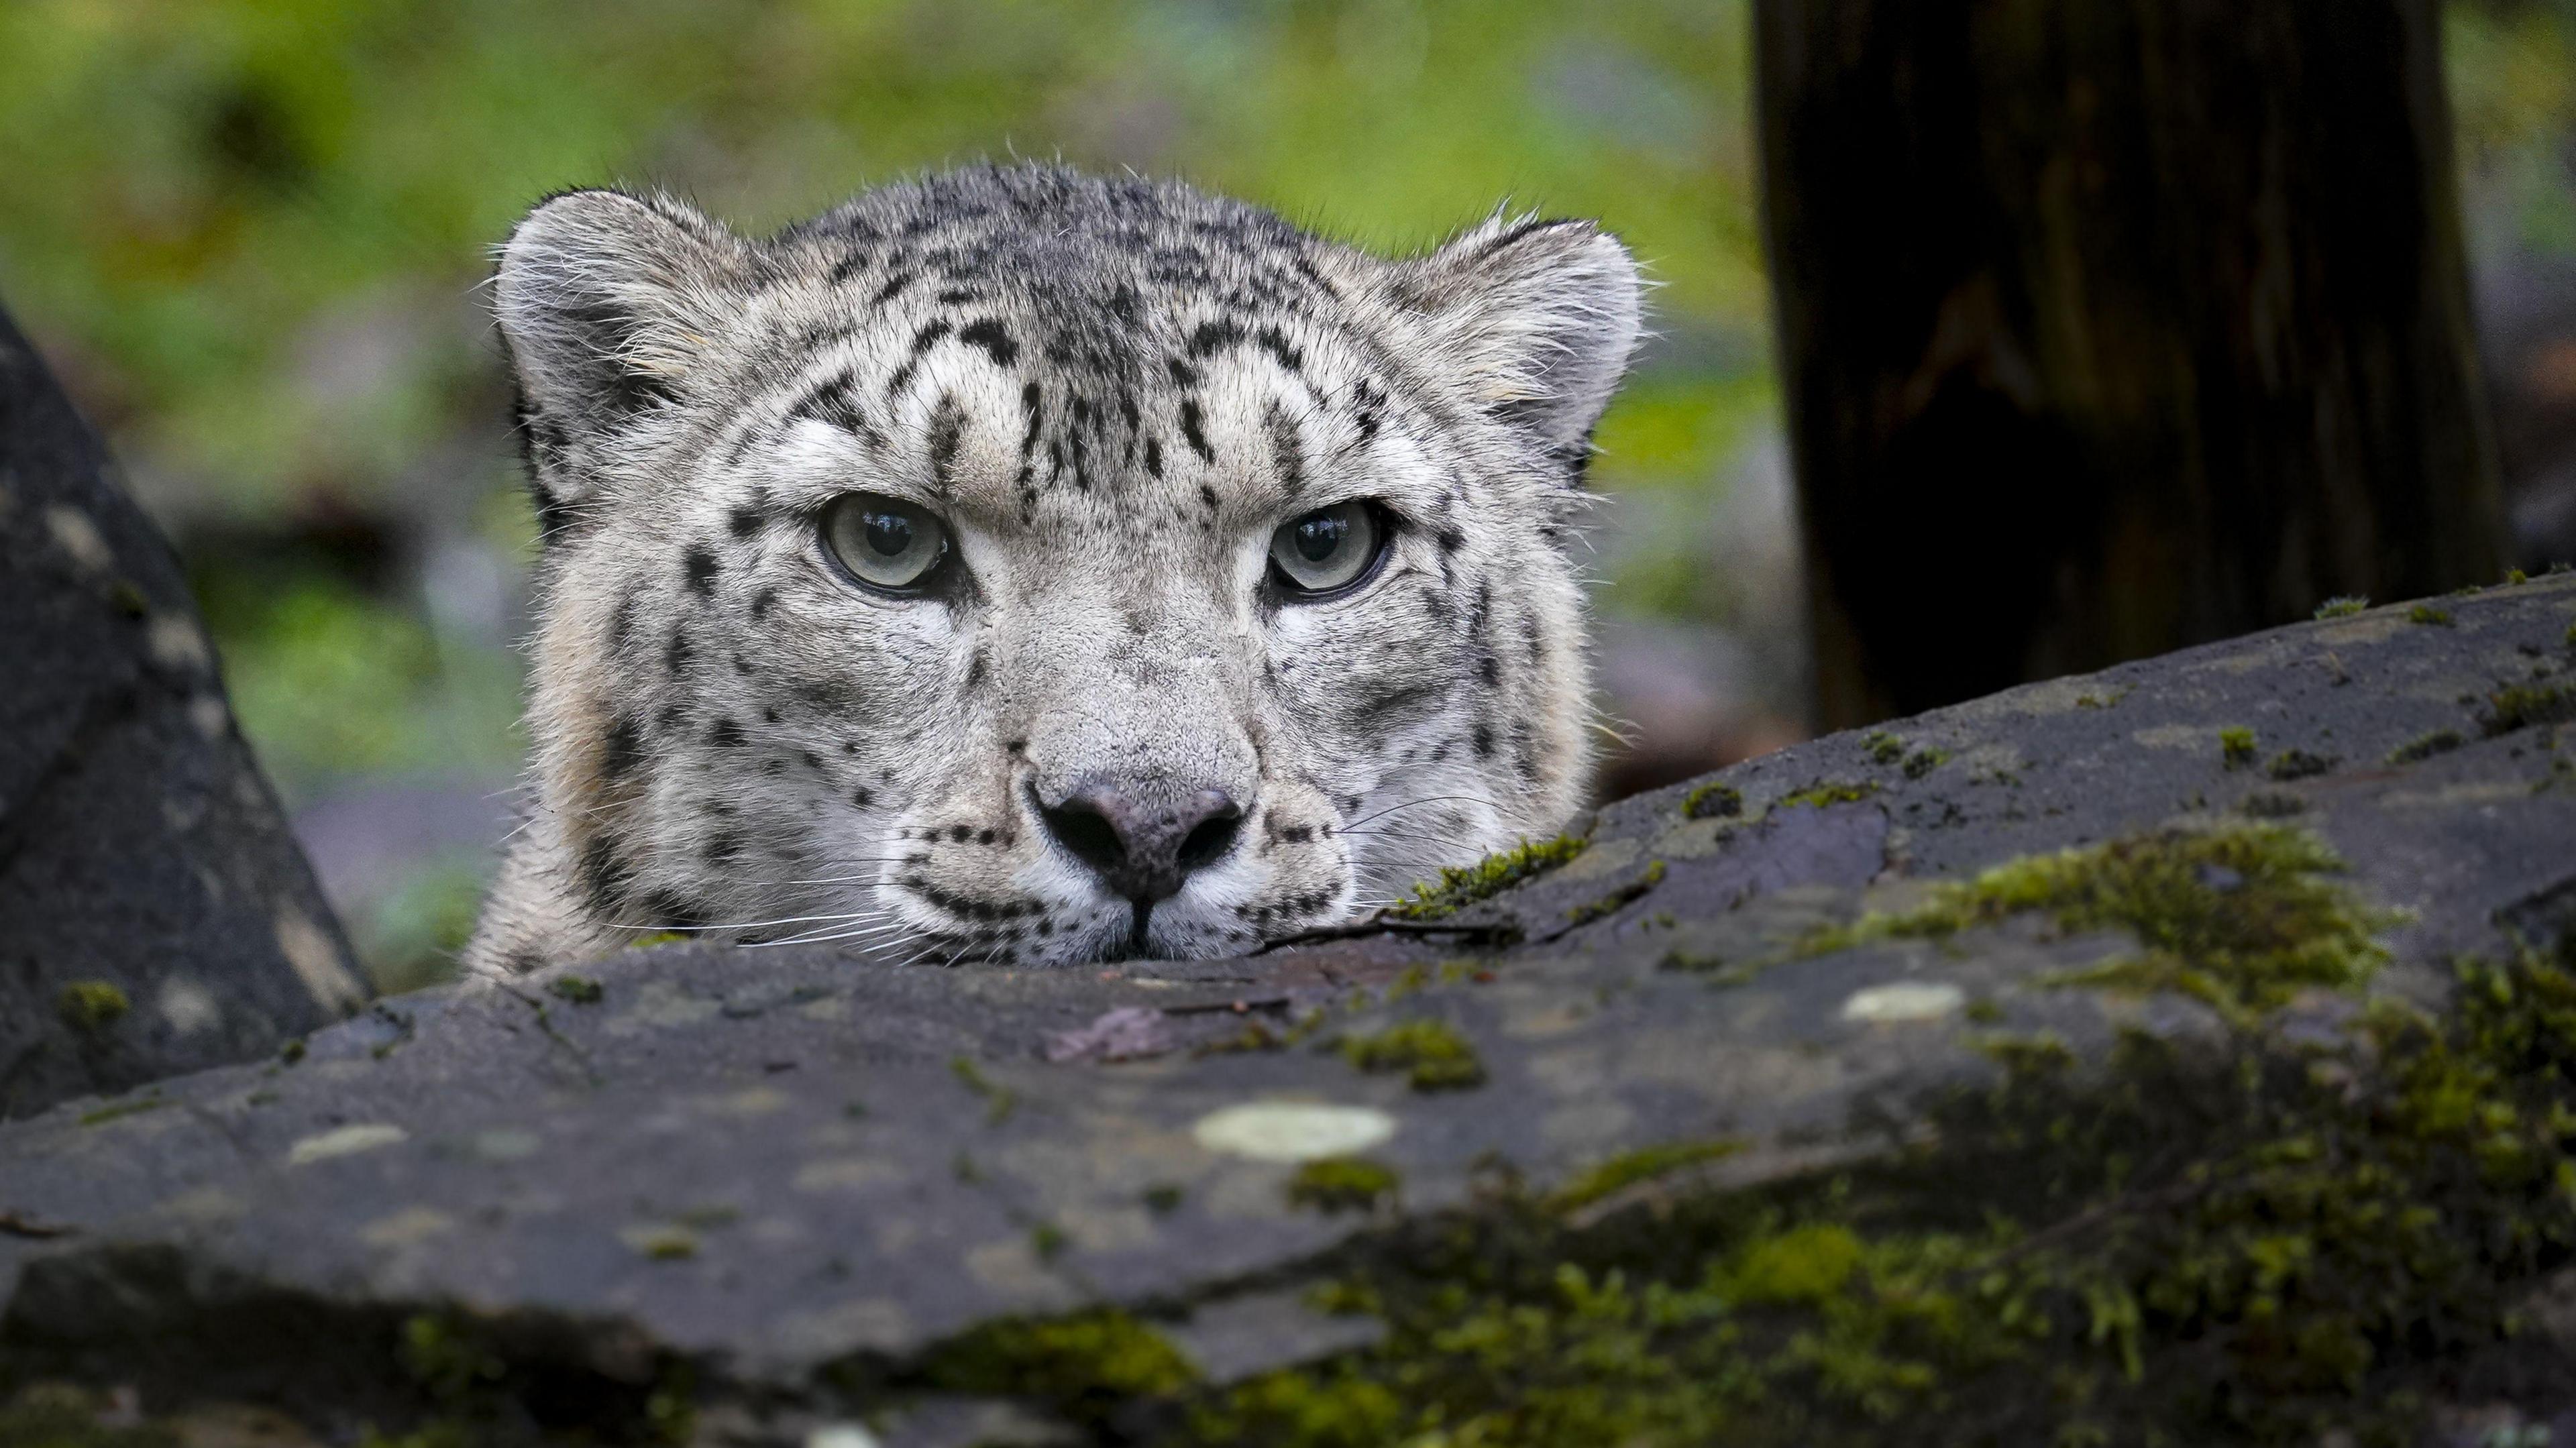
(1026, 567)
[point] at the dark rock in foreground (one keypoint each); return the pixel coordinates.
(155, 916)
(1767, 1117)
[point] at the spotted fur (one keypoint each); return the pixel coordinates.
(1114, 391)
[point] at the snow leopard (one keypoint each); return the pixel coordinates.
(1023, 566)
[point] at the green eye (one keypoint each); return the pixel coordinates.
(885, 543)
(1327, 550)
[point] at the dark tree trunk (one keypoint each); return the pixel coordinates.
(2109, 326)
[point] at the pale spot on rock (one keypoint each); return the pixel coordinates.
(345, 1141)
(78, 537)
(186, 1005)
(209, 716)
(317, 962)
(408, 1227)
(1293, 1130)
(841, 1435)
(175, 643)
(1904, 1001)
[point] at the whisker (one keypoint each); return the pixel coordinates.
(752, 924)
(819, 937)
(1410, 803)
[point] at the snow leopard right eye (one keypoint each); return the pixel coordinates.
(887, 544)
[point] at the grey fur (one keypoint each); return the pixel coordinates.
(1115, 391)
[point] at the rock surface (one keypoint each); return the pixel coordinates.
(155, 916)
(2059, 1156)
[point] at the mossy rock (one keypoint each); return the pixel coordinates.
(2085, 1085)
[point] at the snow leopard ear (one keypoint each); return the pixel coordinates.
(1538, 317)
(606, 301)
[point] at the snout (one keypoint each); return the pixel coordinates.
(1142, 839)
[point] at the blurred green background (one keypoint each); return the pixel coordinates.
(252, 237)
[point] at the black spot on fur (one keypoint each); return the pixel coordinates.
(1154, 456)
(1211, 338)
(676, 656)
(1288, 455)
(763, 601)
(700, 567)
(1192, 429)
(947, 431)
(831, 403)
(723, 845)
(993, 338)
(1031, 415)
(744, 521)
(605, 876)
(893, 288)
(1484, 739)
(725, 734)
(861, 797)
(622, 748)
(1276, 343)
(1182, 373)
(1207, 495)
(672, 911)
(1450, 540)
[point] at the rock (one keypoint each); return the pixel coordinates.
(155, 916)
(2040, 1069)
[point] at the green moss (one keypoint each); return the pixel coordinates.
(2342, 605)
(999, 1101)
(448, 1358)
(666, 1243)
(1828, 792)
(1884, 748)
(2425, 613)
(150, 1100)
(1082, 1366)
(581, 990)
(1342, 1184)
(2519, 706)
(2280, 1243)
(2292, 764)
(2272, 804)
(1163, 1199)
(2242, 916)
(1048, 1241)
(1619, 899)
(658, 937)
(1644, 1165)
(1432, 1055)
(2236, 746)
(2513, 576)
(1923, 761)
(1458, 888)
(1806, 1264)
(2425, 746)
(1713, 801)
(91, 1006)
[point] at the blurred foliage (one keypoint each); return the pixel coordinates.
(252, 221)
(252, 234)
(2512, 71)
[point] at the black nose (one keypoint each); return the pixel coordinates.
(1143, 851)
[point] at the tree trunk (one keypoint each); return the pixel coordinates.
(2113, 326)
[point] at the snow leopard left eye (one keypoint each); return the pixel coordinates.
(886, 543)
(1327, 552)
